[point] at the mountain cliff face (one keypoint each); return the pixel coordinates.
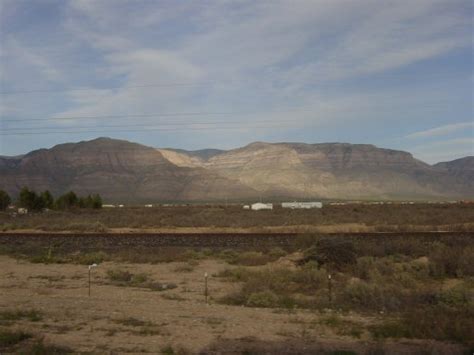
(461, 169)
(334, 170)
(118, 170)
(124, 171)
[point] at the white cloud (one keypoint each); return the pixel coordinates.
(445, 150)
(256, 56)
(442, 130)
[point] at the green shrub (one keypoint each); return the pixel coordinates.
(193, 255)
(372, 296)
(119, 275)
(142, 280)
(465, 262)
(184, 268)
(310, 277)
(91, 258)
(264, 299)
(251, 258)
(31, 315)
(132, 322)
(229, 255)
(238, 274)
(433, 322)
(444, 260)
(39, 348)
(277, 252)
(9, 338)
(390, 329)
(336, 252)
(456, 296)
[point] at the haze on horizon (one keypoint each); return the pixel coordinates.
(196, 75)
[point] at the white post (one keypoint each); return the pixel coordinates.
(90, 267)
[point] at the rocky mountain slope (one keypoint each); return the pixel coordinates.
(335, 170)
(461, 169)
(124, 171)
(118, 170)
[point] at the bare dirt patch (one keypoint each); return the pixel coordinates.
(129, 318)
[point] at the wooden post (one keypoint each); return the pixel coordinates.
(205, 287)
(330, 289)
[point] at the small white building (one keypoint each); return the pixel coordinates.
(302, 205)
(246, 207)
(22, 210)
(148, 206)
(262, 206)
(108, 206)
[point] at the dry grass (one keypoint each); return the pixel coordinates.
(348, 218)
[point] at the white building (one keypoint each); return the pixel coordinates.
(302, 205)
(148, 206)
(22, 210)
(262, 206)
(246, 207)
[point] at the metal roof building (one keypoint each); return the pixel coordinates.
(302, 205)
(262, 206)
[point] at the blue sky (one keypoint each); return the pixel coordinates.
(221, 74)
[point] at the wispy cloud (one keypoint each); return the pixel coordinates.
(322, 57)
(444, 150)
(443, 130)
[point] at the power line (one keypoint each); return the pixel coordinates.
(16, 92)
(144, 125)
(164, 114)
(137, 130)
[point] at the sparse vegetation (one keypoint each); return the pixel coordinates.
(396, 286)
(407, 281)
(361, 218)
(128, 279)
(132, 322)
(10, 338)
(31, 315)
(40, 348)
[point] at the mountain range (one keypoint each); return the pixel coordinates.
(123, 171)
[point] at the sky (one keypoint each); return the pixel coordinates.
(222, 74)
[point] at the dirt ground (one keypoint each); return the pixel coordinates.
(118, 319)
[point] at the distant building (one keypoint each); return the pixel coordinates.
(262, 206)
(246, 207)
(302, 205)
(148, 206)
(22, 210)
(108, 206)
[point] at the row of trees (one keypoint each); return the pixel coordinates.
(34, 201)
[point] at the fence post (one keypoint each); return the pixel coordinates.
(330, 289)
(90, 268)
(205, 287)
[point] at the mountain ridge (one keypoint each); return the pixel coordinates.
(125, 171)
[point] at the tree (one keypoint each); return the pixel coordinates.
(30, 200)
(96, 201)
(5, 200)
(66, 201)
(48, 199)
